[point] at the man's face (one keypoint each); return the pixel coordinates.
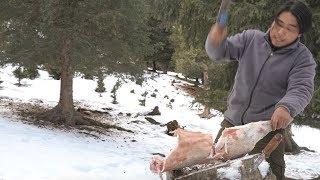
(284, 29)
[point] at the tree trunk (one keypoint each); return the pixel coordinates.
(19, 82)
(206, 78)
(66, 92)
(197, 83)
(206, 112)
(166, 67)
(65, 112)
(154, 66)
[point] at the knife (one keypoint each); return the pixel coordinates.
(270, 147)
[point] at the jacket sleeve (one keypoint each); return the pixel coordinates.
(300, 86)
(231, 48)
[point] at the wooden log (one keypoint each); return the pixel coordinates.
(209, 172)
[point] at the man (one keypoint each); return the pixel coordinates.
(275, 75)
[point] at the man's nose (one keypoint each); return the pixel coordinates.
(282, 31)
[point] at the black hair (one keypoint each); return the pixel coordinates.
(300, 11)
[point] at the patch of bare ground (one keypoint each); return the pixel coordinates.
(98, 122)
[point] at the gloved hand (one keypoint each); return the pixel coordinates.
(281, 118)
(219, 31)
(223, 14)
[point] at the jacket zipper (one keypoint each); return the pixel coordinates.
(254, 87)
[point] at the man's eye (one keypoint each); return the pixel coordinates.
(281, 24)
(292, 30)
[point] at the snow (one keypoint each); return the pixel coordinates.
(28, 152)
(264, 168)
(231, 172)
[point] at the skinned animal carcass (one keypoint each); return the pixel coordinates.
(198, 148)
(240, 140)
(193, 148)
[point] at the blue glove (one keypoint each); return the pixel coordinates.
(223, 19)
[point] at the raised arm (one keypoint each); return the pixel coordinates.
(219, 47)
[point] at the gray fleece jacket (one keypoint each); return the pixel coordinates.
(265, 79)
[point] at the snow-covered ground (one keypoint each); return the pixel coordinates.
(31, 153)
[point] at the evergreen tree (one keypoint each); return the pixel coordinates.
(192, 20)
(159, 36)
(100, 84)
(31, 72)
(54, 70)
(18, 73)
(184, 57)
(114, 91)
(71, 35)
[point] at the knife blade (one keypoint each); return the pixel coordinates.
(270, 147)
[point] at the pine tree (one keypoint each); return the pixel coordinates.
(100, 84)
(71, 35)
(159, 36)
(192, 20)
(31, 72)
(18, 73)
